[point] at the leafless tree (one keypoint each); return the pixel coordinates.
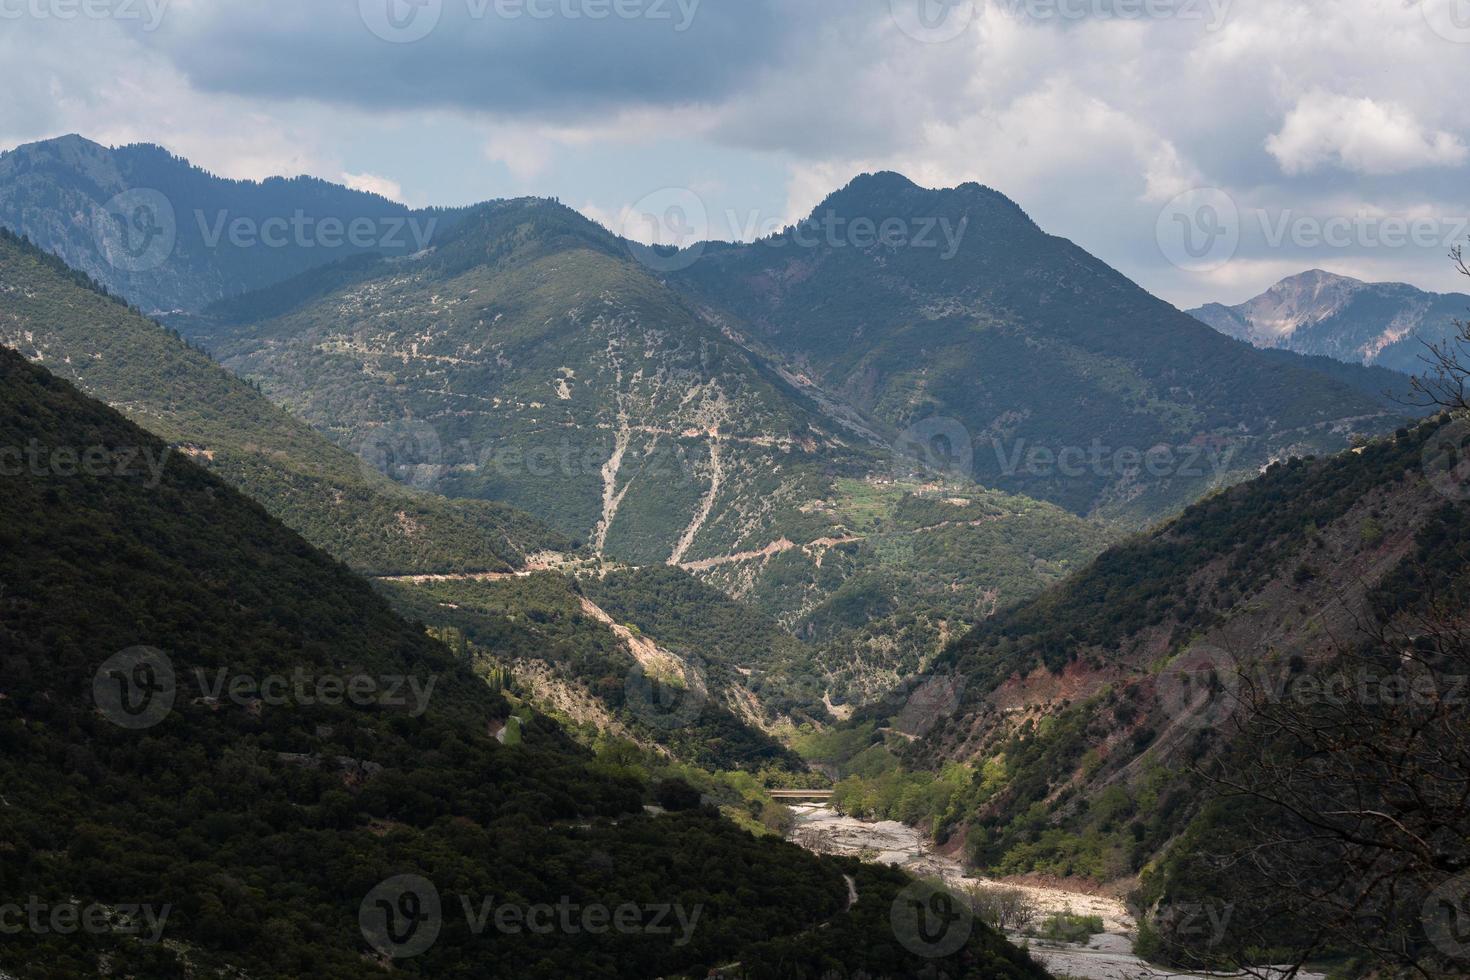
(1352, 811)
(1341, 819)
(1010, 910)
(1448, 361)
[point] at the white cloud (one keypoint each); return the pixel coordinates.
(373, 184)
(1319, 107)
(1359, 135)
(525, 153)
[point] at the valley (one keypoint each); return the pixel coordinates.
(1074, 612)
(1107, 955)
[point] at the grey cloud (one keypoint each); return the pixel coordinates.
(502, 56)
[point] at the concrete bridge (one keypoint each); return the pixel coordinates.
(801, 794)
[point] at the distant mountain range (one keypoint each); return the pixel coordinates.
(1041, 352)
(876, 440)
(150, 226)
(1385, 323)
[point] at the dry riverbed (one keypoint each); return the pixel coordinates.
(1105, 957)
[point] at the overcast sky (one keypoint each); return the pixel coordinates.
(1204, 147)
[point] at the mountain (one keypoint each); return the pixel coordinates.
(170, 236)
(57, 317)
(1071, 383)
(601, 672)
(1385, 323)
(1130, 721)
(1394, 390)
(218, 737)
(542, 366)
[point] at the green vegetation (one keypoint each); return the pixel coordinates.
(551, 348)
(44, 186)
(1100, 784)
(990, 333)
(264, 825)
(1068, 927)
(1249, 531)
(539, 619)
(57, 318)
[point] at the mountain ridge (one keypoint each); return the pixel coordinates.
(58, 317)
(169, 235)
(1321, 313)
(980, 326)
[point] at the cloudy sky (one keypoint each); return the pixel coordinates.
(1204, 147)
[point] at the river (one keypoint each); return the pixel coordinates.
(1108, 956)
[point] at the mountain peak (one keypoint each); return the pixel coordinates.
(888, 194)
(1317, 278)
(67, 140)
(1325, 314)
(881, 180)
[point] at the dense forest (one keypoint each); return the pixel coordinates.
(263, 825)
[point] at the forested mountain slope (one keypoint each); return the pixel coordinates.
(1093, 724)
(171, 236)
(342, 504)
(964, 309)
(542, 366)
(266, 828)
